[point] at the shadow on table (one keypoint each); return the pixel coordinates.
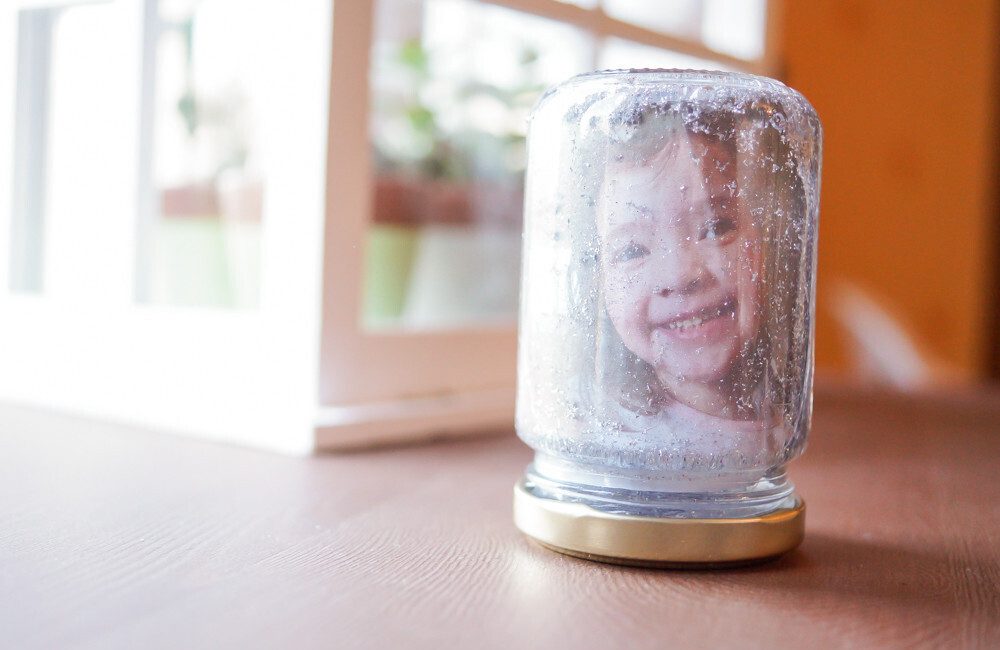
(869, 573)
(866, 593)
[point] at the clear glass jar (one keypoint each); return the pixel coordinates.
(667, 305)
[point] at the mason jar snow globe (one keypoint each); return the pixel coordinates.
(667, 305)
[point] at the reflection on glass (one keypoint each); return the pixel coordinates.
(671, 237)
(452, 84)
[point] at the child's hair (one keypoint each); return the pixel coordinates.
(611, 376)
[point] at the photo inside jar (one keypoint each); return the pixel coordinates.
(680, 267)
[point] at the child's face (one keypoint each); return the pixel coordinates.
(680, 259)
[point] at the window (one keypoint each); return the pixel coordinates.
(161, 204)
(213, 226)
(189, 220)
(451, 85)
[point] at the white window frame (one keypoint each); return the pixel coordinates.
(243, 377)
(301, 373)
(409, 383)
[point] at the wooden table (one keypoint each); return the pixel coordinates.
(115, 538)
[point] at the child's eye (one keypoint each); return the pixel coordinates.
(718, 228)
(630, 251)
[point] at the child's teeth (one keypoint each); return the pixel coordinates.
(684, 324)
(695, 321)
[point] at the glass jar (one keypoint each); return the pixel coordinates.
(667, 305)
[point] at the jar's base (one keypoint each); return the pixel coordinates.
(660, 495)
(577, 529)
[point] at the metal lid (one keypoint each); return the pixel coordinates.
(581, 531)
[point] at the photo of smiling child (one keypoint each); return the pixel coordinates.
(683, 250)
(665, 340)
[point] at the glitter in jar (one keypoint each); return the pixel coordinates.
(665, 358)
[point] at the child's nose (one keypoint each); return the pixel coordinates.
(681, 270)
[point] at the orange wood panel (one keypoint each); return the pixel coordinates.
(905, 91)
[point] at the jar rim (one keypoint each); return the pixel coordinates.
(681, 77)
(687, 75)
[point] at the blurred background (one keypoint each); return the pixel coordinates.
(137, 135)
(908, 262)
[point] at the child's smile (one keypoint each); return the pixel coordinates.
(700, 323)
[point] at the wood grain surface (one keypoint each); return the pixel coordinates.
(116, 538)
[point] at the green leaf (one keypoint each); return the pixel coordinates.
(413, 55)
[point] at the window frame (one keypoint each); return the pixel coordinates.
(600, 25)
(388, 384)
(301, 373)
(246, 377)
(459, 375)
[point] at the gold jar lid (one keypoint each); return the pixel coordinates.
(581, 531)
